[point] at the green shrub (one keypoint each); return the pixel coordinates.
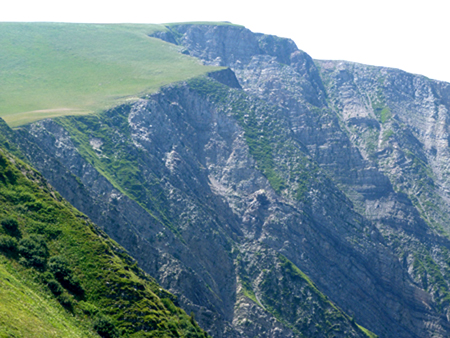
(55, 287)
(46, 277)
(33, 251)
(10, 175)
(88, 308)
(51, 231)
(66, 301)
(3, 161)
(11, 226)
(8, 244)
(60, 268)
(105, 327)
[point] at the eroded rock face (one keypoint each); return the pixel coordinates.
(317, 168)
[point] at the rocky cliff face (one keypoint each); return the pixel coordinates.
(295, 198)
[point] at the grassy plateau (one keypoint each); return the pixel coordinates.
(55, 69)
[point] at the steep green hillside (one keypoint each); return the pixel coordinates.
(28, 311)
(61, 276)
(53, 69)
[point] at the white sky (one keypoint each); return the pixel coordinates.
(410, 35)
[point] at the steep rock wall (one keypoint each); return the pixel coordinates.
(412, 222)
(228, 197)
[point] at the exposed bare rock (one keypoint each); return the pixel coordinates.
(283, 197)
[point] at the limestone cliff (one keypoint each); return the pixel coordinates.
(292, 198)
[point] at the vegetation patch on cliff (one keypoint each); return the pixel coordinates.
(120, 161)
(275, 284)
(278, 157)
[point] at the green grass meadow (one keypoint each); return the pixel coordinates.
(54, 69)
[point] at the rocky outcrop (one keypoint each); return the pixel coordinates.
(226, 77)
(336, 111)
(398, 123)
(271, 202)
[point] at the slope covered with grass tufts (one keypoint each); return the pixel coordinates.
(61, 276)
(27, 312)
(54, 69)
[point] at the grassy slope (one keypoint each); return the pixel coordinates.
(26, 311)
(109, 277)
(53, 69)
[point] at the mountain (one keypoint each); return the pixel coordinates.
(275, 196)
